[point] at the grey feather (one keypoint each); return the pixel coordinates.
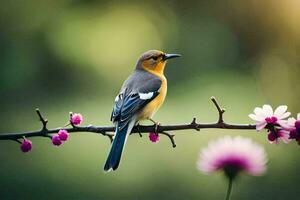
(142, 81)
(129, 101)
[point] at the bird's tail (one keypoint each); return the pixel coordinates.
(114, 157)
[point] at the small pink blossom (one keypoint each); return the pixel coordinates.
(233, 155)
(279, 134)
(265, 117)
(76, 118)
(294, 128)
(293, 123)
(26, 145)
(56, 140)
(63, 135)
(154, 137)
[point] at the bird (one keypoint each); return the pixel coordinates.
(141, 95)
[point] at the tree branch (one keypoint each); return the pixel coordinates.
(42, 119)
(220, 110)
(108, 130)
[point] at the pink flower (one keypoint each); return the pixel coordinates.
(265, 117)
(233, 155)
(56, 140)
(26, 145)
(153, 137)
(276, 134)
(63, 135)
(294, 128)
(76, 118)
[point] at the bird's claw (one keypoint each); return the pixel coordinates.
(139, 130)
(157, 124)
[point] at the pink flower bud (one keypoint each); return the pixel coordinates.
(297, 124)
(26, 146)
(272, 136)
(153, 137)
(76, 118)
(63, 135)
(294, 134)
(55, 140)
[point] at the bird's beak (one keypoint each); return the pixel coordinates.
(169, 56)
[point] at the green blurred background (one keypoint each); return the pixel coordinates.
(73, 55)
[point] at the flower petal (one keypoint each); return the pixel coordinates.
(256, 117)
(280, 110)
(298, 116)
(260, 112)
(285, 115)
(268, 110)
(291, 121)
(283, 124)
(284, 136)
(261, 125)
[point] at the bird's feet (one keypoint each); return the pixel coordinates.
(138, 126)
(157, 124)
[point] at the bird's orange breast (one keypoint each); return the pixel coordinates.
(151, 108)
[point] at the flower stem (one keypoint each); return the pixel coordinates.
(229, 189)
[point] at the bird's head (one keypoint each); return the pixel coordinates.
(154, 60)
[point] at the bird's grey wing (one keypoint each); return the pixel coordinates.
(136, 93)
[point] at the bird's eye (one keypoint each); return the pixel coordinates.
(154, 57)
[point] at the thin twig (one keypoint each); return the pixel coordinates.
(17, 140)
(220, 110)
(70, 121)
(194, 123)
(171, 137)
(42, 119)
